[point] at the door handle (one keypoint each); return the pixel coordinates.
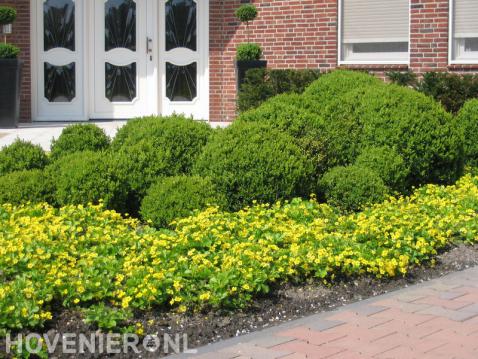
(149, 42)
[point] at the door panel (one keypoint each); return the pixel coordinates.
(59, 72)
(120, 59)
(183, 57)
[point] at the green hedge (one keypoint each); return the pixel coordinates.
(253, 161)
(294, 114)
(388, 164)
(26, 186)
(451, 90)
(149, 148)
(418, 128)
(88, 177)
(338, 83)
(77, 138)
(353, 187)
(21, 155)
(262, 84)
(176, 197)
(468, 120)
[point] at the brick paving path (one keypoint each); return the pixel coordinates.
(433, 320)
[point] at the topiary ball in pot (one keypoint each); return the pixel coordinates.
(388, 164)
(26, 186)
(7, 15)
(176, 197)
(254, 161)
(77, 138)
(246, 13)
(88, 177)
(8, 51)
(22, 155)
(418, 128)
(248, 52)
(352, 188)
(468, 120)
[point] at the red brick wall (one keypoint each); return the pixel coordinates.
(21, 38)
(303, 34)
(293, 34)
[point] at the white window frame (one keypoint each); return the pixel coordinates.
(455, 47)
(366, 61)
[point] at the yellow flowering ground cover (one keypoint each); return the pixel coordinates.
(83, 256)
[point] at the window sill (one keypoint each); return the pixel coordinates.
(375, 66)
(460, 66)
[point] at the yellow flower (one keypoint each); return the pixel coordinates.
(205, 296)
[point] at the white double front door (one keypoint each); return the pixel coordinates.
(119, 59)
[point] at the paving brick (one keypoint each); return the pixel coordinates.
(255, 352)
(350, 354)
(472, 308)
(270, 341)
(295, 356)
(324, 324)
(444, 303)
(449, 295)
(409, 307)
(408, 318)
(450, 314)
(216, 355)
(368, 310)
(411, 296)
(311, 351)
(397, 352)
(312, 336)
(362, 321)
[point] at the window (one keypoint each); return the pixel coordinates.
(375, 31)
(465, 30)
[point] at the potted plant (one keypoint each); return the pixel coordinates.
(10, 72)
(248, 54)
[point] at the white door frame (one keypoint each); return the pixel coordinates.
(42, 110)
(156, 77)
(199, 107)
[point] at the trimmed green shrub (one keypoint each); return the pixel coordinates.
(21, 155)
(253, 161)
(388, 164)
(418, 128)
(26, 186)
(261, 84)
(248, 51)
(468, 120)
(407, 78)
(180, 134)
(8, 51)
(293, 114)
(78, 138)
(88, 177)
(353, 187)
(451, 90)
(177, 197)
(148, 148)
(7, 15)
(339, 82)
(246, 13)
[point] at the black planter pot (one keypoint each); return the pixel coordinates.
(11, 77)
(243, 66)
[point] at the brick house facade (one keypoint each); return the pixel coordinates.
(293, 34)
